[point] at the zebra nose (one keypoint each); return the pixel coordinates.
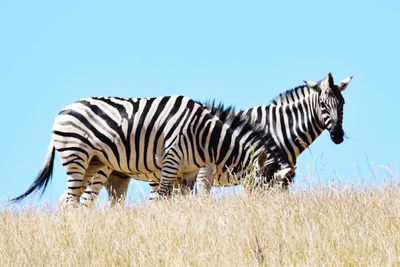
(337, 128)
(337, 133)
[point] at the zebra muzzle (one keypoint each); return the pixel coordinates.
(337, 137)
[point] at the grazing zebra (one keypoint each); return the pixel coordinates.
(294, 120)
(153, 139)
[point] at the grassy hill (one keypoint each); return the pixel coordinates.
(322, 226)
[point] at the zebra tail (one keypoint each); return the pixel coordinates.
(42, 178)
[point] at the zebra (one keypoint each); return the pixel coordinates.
(294, 120)
(159, 139)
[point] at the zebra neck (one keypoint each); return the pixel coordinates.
(251, 150)
(295, 124)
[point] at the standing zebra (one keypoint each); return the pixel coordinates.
(154, 139)
(294, 120)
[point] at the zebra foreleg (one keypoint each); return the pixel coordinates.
(170, 173)
(166, 185)
(181, 187)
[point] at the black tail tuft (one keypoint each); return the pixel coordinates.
(42, 179)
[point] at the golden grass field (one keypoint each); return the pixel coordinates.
(327, 226)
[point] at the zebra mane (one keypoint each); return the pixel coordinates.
(288, 96)
(240, 123)
(225, 114)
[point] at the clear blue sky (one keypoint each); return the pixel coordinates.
(241, 52)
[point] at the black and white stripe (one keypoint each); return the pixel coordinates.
(152, 139)
(294, 120)
(297, 117)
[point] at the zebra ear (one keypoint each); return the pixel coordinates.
(313, 85)
(329, 79)
(262, 158)
(343, 84)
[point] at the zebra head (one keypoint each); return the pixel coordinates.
(330, 104)
(273, 169)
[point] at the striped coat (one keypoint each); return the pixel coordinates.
(294, 120)
(162, 139)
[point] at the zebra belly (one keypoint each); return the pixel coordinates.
(147, 177)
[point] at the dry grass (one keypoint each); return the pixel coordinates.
(326, 226)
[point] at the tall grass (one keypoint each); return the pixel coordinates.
(323, 226)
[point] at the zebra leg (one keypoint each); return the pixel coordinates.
(283, 177)
(204, 180)
(117, 187)
(75, 167)
(170, 173)
(75, 187)
(184, 187)
(94, 166)
(179, 188)
(154, 190)
(95, 184)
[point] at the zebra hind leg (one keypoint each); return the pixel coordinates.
(204, 180)
(76, 170)
(94, 185)
(94, 166)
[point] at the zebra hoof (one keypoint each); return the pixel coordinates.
(160, 194)
(158, 198)
(70, 205)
